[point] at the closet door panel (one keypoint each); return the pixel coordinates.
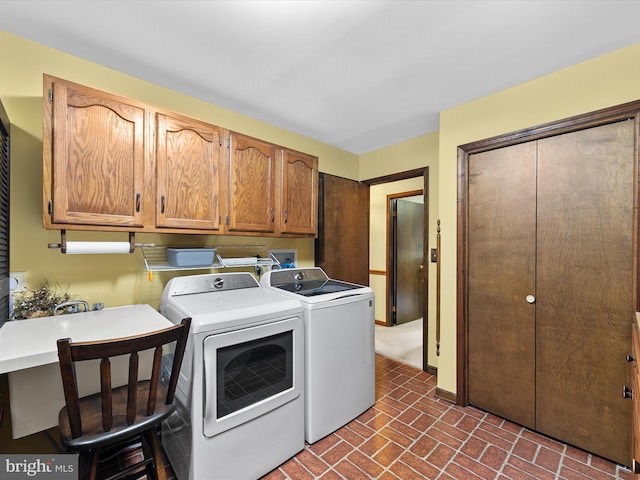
(584, 287)
(501, 330)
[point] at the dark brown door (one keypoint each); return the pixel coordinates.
(409, 251)
(585, 298)
(342, 246)
(550, 285)
(502, 222)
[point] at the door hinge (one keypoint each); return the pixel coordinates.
(227, 220)
(50, 95)
(50, 207)
(228, 142)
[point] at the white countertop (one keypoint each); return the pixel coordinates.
(32, 342)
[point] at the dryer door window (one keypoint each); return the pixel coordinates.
(251, 371)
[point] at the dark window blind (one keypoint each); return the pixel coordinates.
(4, 216)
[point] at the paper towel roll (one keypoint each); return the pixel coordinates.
(80, 248)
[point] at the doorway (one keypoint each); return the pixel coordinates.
(382, 274)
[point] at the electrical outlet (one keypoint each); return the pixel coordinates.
(21, 277)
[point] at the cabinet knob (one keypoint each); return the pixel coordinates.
(530, 299)
(627, 392)
(629, 358)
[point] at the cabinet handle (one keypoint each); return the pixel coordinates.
(629, 358)
(137, 202)
(162, 204)
(286, 216)
(627, 392)
(273, 215)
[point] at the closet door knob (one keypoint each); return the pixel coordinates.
(530, 299)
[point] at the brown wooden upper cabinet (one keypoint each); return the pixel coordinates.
(110, 163)
(188, 173)
(299, 212)
(271, 189)
(94, 157)
(252, 185)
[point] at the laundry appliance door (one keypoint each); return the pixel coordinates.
(251, 371)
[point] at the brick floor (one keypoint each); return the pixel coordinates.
(411, 434)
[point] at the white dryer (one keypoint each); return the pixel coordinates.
(339, 346)
(241, 390)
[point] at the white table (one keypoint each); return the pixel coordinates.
(29, 354)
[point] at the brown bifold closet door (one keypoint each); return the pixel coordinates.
(502, 228)
(550, 285)
(585, 297)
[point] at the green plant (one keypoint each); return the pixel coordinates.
(38, 303)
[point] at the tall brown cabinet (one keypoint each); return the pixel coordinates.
(549, 282)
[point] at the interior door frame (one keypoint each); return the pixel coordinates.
(627, 111)
(391, 250)
(424, 173)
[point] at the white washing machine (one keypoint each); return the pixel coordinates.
(240, 394)
(339, 346)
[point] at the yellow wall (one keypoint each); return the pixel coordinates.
(111, 279)
(602, 82)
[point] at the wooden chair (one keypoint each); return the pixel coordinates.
(131, 412)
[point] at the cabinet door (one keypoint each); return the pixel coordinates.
(252, 173)
(299, 212)
(188, 173)
(97, 159)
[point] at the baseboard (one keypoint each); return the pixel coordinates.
(444, 395)
(431, 370)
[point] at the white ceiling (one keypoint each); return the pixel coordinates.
(356, 74)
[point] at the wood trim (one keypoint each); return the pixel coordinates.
(394, 177)
(377, 272)
(630, 110)
(445, 395)
(430, 369)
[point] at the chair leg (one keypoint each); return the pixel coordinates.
(88, 464)
(151, 447)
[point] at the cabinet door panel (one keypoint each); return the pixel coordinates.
(585, 283)
(502, 222)
(98, 159)
(299, 193)
(188, 173)
(252, 170)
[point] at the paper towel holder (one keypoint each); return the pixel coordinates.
(132, 242)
